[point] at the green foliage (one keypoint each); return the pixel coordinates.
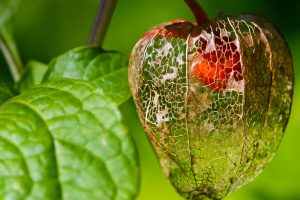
(107, 70)
(33, 75)
(69, 142)
(86, 63)
(65, 140)
(5, 93)
(115, 85)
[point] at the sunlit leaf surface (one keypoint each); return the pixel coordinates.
(65, 140)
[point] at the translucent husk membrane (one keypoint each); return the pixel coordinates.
(214, 100)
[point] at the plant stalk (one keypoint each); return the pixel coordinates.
(104, 14)
(10, 52)
(199, 13)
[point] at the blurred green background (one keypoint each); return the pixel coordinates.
(47, 28)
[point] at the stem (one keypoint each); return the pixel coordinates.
(199, 13)
(104, 14)
(10, 52)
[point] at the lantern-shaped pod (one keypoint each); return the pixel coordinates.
(213, 99)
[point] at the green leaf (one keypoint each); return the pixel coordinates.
(65, 140)
(7, 10)
(115, 85)
(32, 76)
(5, 75)
(5, 93)
(85, 63)
(105, 69)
